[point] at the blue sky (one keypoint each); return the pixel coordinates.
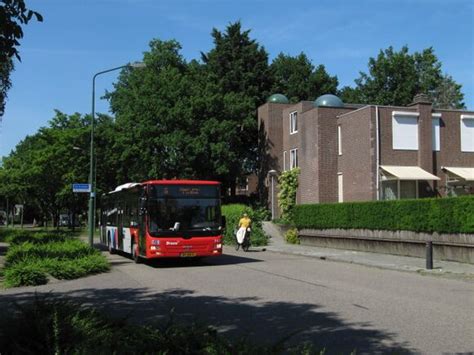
(79, 38)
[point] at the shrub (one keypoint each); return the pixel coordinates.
(75, 268)
(39, 254)
(291, 236)
(69, 249)
(62, 327)
(18, 236)
(36, 238)
(25, 274)
(7, 233)
(443, 215)
(233, 213)
(288, 183)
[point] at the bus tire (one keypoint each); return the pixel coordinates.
(136, 258)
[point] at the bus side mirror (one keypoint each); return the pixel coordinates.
(223, 222)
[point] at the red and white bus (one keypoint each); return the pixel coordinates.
(163, 219)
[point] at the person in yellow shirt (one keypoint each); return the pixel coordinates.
(244, 226)
(245, 221)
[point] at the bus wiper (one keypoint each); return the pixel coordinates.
(175, 227)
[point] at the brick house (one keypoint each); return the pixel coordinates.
(352, 152)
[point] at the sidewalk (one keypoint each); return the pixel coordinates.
(385, 261)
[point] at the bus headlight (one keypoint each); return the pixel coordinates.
(154, 247)
(218, 246)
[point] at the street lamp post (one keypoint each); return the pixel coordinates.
(92, 197)
(272, 174)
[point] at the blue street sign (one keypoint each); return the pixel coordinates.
(81, 188)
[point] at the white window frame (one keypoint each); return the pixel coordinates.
(284, 160)
(436, 132)
(400, 143)
(293, 122)
(339, 139)
(293, 158)
(340, 187)
(466, 134)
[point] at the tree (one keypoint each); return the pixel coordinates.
(298, 79)
(13, 14)
(42, 168)
(156, 132)
(191, 120)
(448, 94)
(238, 80)
(394, 78)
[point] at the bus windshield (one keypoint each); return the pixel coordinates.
(188, 209)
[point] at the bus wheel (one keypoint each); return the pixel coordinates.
(136, 258)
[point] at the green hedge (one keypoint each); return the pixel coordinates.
(233, 213)
(444, 215)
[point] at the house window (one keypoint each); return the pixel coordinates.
(284, 160)
(408, 189)
(340, 188)
(405, 130)
(293, 158)
(339, 140)
(467, 133)
(390, 190)
(435, 132)
(293, 122)
(399, 189)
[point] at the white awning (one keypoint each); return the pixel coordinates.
(463, 173)
(395, 172)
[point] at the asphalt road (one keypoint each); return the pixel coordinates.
(267, 296)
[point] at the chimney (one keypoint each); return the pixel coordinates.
(424, 107)
(420, 99)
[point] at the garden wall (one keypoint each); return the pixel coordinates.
(452, 247)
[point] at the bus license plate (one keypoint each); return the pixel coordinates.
(187, 255)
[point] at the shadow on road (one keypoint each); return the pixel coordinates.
(220, 260)
(264, 323)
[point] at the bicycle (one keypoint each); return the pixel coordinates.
(245, 243)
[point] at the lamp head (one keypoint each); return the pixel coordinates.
(137, 65)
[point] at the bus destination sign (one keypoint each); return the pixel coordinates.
(186, 191)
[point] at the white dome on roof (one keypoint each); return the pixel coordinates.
(328, 100)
